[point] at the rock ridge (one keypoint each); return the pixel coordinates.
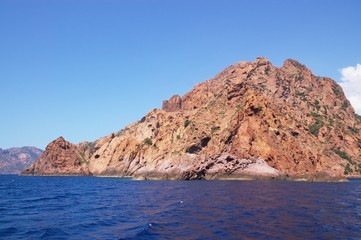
(14, 160)
(252, 120)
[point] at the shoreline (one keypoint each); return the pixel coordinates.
(303, 178)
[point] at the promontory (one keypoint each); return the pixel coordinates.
(251, 121)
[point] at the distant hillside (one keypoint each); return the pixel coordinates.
(15, 160)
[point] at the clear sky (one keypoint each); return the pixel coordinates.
(83, 69)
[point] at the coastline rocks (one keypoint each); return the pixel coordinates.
(60, 158)
(253, 120)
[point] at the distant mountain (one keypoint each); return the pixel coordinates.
(15, 160)
(253, 120)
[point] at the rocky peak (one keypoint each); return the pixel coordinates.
(174, 104)
(293, 67)
(61, 143)
(293, 63)
(262, 61)
(60, 158)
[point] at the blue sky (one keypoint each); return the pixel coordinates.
(83, 69)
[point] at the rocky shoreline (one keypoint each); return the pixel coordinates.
(251, 121)
(241, 177)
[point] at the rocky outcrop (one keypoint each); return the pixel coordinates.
(253, 120)
(60, 158)
(174, 104)
(15, 160)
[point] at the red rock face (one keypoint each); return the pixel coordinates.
(60, 158)
(174, 104)
(251, 120)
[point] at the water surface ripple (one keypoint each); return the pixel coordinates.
(111, 208)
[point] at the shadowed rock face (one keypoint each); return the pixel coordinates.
(252, 120)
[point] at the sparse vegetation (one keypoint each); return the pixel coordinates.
(186, 123)
(178, 137)
(215, 128)
(348, 169)
(336, 91)
(353, 130)
(82, 158)
(330, 122)
(300, 94)
(148, 141)
(239, 107)
(344, 105)
(343, 155)
(315, 128)
(325, 109)
(336, 116)
(91, 145)
(316, 104)
(212, 103)
(314, 115)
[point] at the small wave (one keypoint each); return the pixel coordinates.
(145, 233)
(76, 208)
(54, 233)
(42, 199)
(7, 232)
(3, 209)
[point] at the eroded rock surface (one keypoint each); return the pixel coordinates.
(60, 158)
(252, 120)
(174, 104)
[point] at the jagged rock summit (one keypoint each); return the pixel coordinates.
(253, 120)
(60, 158)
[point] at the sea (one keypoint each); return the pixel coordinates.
(115, 208)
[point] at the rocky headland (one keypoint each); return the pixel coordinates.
(251, 121)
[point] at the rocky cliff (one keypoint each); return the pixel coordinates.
(252, 120)
(15, 160)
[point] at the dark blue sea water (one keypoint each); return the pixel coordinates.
(111, 208)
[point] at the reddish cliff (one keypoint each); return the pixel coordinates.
(60, 158)
(253, 120)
